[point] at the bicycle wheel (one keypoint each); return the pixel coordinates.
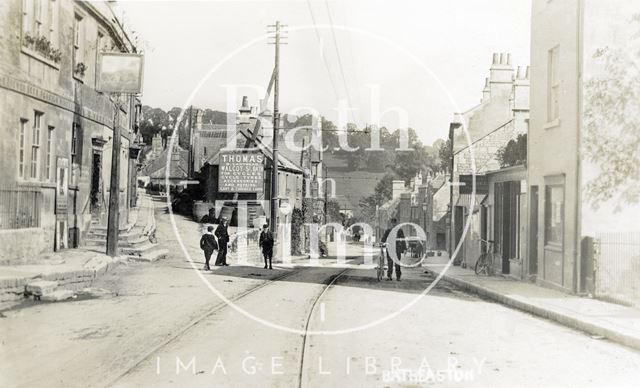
(481, 264)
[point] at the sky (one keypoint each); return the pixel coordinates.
(395, 63)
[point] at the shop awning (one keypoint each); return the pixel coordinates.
(466, 200)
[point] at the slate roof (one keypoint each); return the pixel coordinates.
(157, 168)
(242, 135)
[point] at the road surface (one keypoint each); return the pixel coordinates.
(295, 326)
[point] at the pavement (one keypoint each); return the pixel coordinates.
(150, 317)
(72, 270)
(598, 318)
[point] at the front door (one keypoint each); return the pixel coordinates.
(96, 179)
(507, 226)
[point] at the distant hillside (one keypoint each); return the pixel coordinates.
(351, 185)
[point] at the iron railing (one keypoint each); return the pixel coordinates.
(617, 266)
(20, 208)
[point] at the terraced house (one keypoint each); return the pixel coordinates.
(57, 129)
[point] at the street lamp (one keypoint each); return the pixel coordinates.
(425, 207)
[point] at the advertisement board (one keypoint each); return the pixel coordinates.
(241, 172)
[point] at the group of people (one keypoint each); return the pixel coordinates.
(219, 241)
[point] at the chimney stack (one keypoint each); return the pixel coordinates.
(245, 105)
(199, 117)
(501, 75)
(397, 188)
(244, 112)
(521, 103)
(486, 92)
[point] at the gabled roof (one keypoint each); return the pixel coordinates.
(244, 134)
(157, 168)
(440, 202)
(438, 181)
(215, 127)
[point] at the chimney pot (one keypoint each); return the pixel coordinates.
(397, 188)
(508, 59)
(245, 102)
(496, 58)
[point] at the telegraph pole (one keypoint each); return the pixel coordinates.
(276, 123)
(191, 167)
(113, 223)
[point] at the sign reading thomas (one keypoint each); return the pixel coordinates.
(241, 172)
(120, 73)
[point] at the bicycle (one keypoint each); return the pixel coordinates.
(484, 264)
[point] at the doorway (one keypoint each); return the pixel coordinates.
(533, 233)
(96, 186)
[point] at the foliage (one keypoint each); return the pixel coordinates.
(333, 212)
(80, 69)
(514, 153)
(382, 194)
(155, 119)
(444, 156)
(43, 46)
(611, 137)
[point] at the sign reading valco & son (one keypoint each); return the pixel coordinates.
(241, 173)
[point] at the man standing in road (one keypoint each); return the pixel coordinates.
(223, 240)
(266, 244)
(400, 247)
(208, 245)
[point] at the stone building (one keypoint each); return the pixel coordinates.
(477, 135)
(57, 130)
(581, 145)
(414, 204)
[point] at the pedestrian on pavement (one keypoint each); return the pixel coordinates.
(208, 244)
(266, 244)
(400, 246)
(223, 241)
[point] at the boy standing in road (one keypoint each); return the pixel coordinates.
(266, 244)
(208, 244)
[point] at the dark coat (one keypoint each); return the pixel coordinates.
(266, 240)
(207, 219)
(222, 234)
(401, 245)
(208, 243)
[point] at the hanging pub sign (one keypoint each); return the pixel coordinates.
(120, 73)
(241, 172)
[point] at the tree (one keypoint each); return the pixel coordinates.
(611, 137)
(514, 153)
(333, 212)
(444, 156)
(381, 194)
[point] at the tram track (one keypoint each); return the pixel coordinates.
(177, 334)
(332, 280)
(328, 282)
